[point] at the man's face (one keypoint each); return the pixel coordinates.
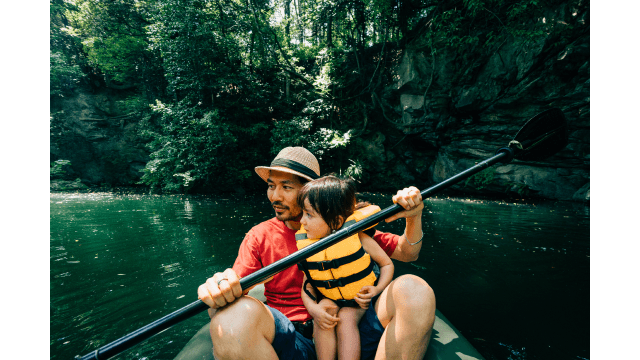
(283, 193)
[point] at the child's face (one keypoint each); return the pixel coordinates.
(313, 223)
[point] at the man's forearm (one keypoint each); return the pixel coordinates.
(413, 234)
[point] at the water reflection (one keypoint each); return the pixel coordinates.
(505, 273)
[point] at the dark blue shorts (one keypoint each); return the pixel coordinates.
(291, 345)
(288, 343)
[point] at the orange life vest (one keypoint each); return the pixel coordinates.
(341, 270)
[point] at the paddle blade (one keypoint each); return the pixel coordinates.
(542, 136)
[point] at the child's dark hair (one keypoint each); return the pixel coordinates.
(331, 198)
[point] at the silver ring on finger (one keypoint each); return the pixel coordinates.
(221, 280)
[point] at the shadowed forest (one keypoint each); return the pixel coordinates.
(190, 95)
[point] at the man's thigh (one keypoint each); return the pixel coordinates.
(375, 321)
(385, 307)
(244, 321)
(250, 329)
(406, 309)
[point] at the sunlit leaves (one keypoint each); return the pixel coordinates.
(355, 170)
(60, 169)
(63, 75)
(116, 55)
(323, 80)
(189, 148)
(300, 131)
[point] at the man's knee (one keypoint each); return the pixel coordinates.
(236, 323)
(414, 294)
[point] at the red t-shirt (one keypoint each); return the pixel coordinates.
(269, 242)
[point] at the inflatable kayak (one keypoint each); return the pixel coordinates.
(447, 343)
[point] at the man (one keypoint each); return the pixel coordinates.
(397, 326)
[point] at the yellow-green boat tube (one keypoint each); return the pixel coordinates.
(447, 343)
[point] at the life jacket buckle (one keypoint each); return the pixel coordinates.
(330, 284)
(327, 264)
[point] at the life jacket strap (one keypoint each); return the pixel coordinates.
(341, 282)
(335, 263)
(307, 291)
(302, 266)
(346, 303)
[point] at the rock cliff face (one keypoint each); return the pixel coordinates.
(92, 131)
(460, 112)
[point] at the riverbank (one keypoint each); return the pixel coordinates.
(76, 186)
(62, 186)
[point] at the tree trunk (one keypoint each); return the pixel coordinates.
(300, 22)
(330, 32)
(253, 33)
(287, 18)
(363, 24)
(286, 86)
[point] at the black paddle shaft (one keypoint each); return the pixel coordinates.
(542, 136)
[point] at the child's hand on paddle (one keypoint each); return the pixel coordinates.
(363, 298)
(322, 316)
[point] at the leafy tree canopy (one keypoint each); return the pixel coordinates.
(228, 83)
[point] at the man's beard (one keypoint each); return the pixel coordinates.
(288, 215)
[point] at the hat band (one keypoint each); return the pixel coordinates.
(295, 166)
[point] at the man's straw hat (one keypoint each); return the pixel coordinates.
(294, 160)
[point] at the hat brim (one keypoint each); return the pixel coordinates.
(263, 172)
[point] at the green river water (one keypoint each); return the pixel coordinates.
(512, 277)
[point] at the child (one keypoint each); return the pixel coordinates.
(327, 203)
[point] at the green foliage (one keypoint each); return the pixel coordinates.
(482, 179)
(131, 104)
(191, 149)
(355, 170)
(116, 55)
(65, 57)
(521, 189)
(112, 39)
(60, 169)
(298, 132)
(63, 74)
(294, 132)
(67, 185)
(486, 22)
(233, 82)
(330, 146)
